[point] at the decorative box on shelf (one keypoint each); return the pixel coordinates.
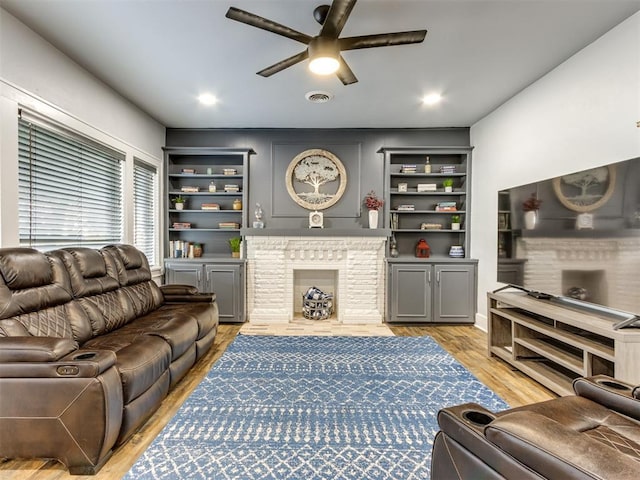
(427, 187)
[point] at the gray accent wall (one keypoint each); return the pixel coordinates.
(275, 148)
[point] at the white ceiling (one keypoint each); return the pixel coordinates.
(161, 54)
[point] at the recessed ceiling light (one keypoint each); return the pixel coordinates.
(207, 99)
(432, 99)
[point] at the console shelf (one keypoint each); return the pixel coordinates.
(554, 344)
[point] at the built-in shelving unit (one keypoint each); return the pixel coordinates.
(428, 219)
(554, 343)
(201, 176)
(440, 288)
(198, 168)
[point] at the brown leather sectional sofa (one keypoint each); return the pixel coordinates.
(594, 434)
(89, 347)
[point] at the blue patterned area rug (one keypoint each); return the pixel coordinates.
(311, 408)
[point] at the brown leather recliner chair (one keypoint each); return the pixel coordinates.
(594, 434)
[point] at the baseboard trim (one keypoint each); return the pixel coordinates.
(481, 322)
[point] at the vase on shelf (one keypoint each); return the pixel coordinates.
(530, 219)
(179, 206)
(373, 218)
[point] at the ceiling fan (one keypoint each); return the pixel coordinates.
(324, 49)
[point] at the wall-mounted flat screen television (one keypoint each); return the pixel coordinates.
(575, 237)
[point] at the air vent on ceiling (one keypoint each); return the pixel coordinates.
(318, 97)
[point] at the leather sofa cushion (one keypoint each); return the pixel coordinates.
(132, 266)
(30, 281)
(205, 315)
(106, 312)
(178, 330)
(25, 268)
(87, 271)
(555, 451)
(141, 359)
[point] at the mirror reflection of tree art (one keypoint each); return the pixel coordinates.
(587, 190)
(316, 179)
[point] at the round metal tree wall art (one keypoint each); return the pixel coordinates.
(316, 179)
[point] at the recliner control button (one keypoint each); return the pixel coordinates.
(68, 370)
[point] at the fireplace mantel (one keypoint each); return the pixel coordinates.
(316, 232)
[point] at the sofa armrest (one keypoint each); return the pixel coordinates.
(76, 364)
(35, 349)
(555, 451)
(464, 424)
(176, 289)
(611, 393)
(185, 294)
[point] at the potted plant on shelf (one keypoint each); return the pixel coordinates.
(179, 202)
(373, 203)
(447, 183)
(455, 222)
(531, 206)
(234, 244)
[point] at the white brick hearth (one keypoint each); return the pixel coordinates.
(358, 261)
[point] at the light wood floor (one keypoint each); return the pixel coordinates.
(466, 343)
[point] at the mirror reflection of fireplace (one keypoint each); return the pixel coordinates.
(588, 285)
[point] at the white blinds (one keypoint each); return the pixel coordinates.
(145, 215)
(70, 190)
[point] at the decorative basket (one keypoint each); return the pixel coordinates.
(317, 305)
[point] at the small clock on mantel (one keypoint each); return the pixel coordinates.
(316, 220)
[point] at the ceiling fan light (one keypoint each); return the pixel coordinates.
(432, 99)
(207, 99)
(324, 65)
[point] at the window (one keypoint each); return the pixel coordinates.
(145, 214)
(70, 189)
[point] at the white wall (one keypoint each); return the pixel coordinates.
(37, 76)
(33, 65)
(580, 115)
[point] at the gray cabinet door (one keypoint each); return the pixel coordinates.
(184, 274)
(410, 293)
(226, 281)
(454, 293)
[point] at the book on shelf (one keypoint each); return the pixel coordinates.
(231, 188)
(408, 168)
(181, 249)
(229, 171)
(189, 189)
(181, 225)
(448, 169)
(210, 206)
(228, 225)
(446, 207)
(406, 208)
(188, 170)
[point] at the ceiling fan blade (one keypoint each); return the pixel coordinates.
(382, 40)
(286, 63)
(266, 24)
(345, 74)
(336, 18)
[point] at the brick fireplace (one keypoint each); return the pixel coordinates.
(358, 273)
